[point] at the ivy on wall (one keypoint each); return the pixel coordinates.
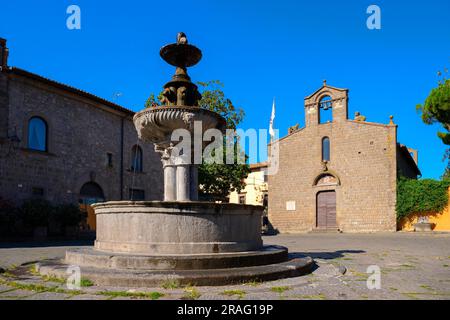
(420, 196)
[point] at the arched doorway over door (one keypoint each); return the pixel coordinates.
(90, 193)
(326, 210)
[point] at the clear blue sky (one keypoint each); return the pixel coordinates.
(259, 49)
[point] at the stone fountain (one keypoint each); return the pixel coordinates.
(145, 243)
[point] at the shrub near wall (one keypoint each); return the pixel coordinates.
(69, 217)
(35, 213)
(420, 196)
(38, 213)
(8, 212)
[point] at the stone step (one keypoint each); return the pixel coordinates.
(99, 259)
(325, 230)
(211, 277)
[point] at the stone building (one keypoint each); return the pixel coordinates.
(69, 146)
(256, 188)
(337, 173)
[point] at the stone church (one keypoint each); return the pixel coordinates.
(68, 146)
(336, 173)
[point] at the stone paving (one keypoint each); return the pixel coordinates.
(412, 266)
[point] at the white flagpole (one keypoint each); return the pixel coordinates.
(272, 117)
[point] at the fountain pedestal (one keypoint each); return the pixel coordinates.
(145, 243)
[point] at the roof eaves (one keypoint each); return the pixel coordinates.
(65, 87)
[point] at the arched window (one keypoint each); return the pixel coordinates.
(37, 134)
(326, 149)
(91, 192)
(136, 159)
(325, 110)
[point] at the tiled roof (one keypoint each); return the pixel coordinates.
(65, 87)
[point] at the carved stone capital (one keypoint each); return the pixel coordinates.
(166, 154)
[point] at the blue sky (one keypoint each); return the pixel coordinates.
(258, 49)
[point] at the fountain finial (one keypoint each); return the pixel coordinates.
(181, 38)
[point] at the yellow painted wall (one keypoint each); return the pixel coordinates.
(254, 189)
(441, 220)
(91, 219)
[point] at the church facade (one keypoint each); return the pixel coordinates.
(337, 174)
(65, 145)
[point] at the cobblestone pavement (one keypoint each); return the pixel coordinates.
(16, 253)
(412, 266)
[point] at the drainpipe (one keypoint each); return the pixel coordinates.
(121, 157)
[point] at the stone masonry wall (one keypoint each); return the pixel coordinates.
(3, 106)
(363, 157)
(80, 134)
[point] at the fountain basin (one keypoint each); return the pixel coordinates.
(171, 227)
(181, 55)
(157, 124)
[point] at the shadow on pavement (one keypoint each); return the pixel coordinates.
(47, 243)
(323, 255)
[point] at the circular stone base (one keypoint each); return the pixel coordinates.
(98, 259)
(206, 277)
(174, 228)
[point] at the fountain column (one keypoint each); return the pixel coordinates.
(180, 176)
(170, 187)
(169, 167)
(194, 182)
(183, 182)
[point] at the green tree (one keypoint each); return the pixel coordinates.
(446, 175)
(218, 180)
(436, 109)
(152, 101)
(213, 98)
